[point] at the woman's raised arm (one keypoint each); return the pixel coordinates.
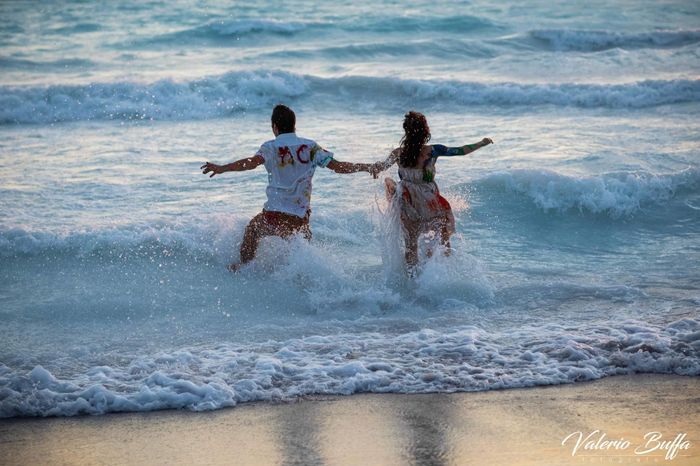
(443, 151)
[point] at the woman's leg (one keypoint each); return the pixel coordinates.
(390, 186)
(445, 234)
(446, 224)
(411, 241)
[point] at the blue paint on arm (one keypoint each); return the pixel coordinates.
(443, 151)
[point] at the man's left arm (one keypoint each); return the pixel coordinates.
(323, 158)
(348, 167)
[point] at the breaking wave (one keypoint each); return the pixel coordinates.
(221, 96)
(615, 194)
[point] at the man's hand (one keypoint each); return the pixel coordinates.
(486, 141)
(348, 167)
(213, 168)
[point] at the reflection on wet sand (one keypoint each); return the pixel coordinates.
(298, 429)
(515, 427)
(423, 422)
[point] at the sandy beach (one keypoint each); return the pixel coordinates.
(520, 426)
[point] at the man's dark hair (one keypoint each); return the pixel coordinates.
(284, 118)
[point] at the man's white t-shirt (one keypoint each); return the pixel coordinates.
(290, 162)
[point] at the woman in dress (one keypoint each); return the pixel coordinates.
(422, 208)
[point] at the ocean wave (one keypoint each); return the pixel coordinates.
(78, 28)
(223, 95)
(594, 41)
(162, 100)
(444, 48)
(615, 194)
(400, 93)
(455, 24)
(224, 32)
(425, 361)
(146, 241)
(64, 64)
(228, 31)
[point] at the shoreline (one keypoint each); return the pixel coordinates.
(511, 426)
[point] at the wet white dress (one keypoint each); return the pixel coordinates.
(421, 205)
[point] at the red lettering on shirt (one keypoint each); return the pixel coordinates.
(300, 150)
(285, 156)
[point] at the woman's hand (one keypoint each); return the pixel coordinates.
(486, 142)
(213, 168)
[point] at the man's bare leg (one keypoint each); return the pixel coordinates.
(251, 240)
(261, 226)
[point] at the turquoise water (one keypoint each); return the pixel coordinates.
(577, 246)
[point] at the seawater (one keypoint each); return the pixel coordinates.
(577, 246)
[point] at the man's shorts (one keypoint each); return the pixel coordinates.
(273, 223)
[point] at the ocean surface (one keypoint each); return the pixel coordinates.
(577, 253)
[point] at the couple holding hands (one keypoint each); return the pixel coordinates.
(290, 162)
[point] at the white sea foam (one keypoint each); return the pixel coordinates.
(464, 359)
(221, 96)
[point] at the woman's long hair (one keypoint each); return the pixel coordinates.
(417, 134)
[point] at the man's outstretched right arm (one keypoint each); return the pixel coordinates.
(248, 163)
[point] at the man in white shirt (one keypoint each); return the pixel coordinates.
(290, 162)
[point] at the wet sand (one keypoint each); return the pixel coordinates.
(518, 426)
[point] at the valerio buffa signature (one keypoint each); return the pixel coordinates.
(597, 441)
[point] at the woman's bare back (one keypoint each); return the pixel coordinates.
(425, 154)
